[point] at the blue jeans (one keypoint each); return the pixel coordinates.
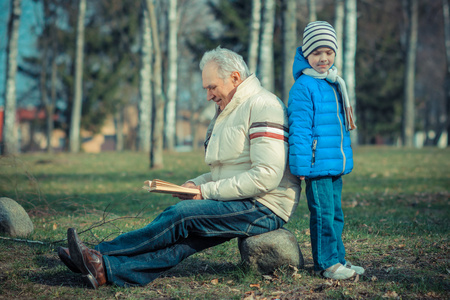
(140, 256)
(326, 222)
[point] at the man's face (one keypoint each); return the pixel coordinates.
(217, 89)
(321, 59)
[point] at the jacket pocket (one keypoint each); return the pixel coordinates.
(314, 147)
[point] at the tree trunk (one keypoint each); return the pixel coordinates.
(145, 84)
(446, 11)
(267, 68)
(312, 15)
(49, 43)
(289, 45)
(156, 153)
(78, 86)
(339, 27)
(50, 109)
(170, 127)
(119, 128)
(255, 29)
(410, 67)
(10, 130)
(350, 56)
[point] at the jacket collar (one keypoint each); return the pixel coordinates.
(245, 90)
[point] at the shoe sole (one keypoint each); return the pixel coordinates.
(322, 275)
(77, 257)
(67, 260)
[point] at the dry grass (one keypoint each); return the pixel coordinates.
(396, 204)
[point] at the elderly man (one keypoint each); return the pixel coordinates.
(248, 191)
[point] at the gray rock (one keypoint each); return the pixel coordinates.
(14, 220)
(268, 251)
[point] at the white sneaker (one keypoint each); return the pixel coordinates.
(358, 270)
(338, 271)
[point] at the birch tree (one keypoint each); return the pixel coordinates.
(78, 86)
(10, 130)
(266, 64)
(145, 84)
(412, 12)
(446, 12)
(289, 45)
(48, 59)
(173, 71)
(339, 27)
(255, 29)
(156, 152)
(312, 14)
(350, 56)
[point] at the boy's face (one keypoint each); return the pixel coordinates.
(321, 59)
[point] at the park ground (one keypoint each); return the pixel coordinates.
(396, 205)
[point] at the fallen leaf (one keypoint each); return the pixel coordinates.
(55, 226)
(390, 294)
(249, 296)
(215, 281)
(256, 285)
(374, 278)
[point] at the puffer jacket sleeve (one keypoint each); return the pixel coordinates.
(300, 114)
(202, 179)
(268, 154)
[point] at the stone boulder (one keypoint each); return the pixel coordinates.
(14, 220)
(268, 251)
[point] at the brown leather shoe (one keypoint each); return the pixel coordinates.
(89, 261)
(64, 255)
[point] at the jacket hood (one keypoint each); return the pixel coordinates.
(300, 63)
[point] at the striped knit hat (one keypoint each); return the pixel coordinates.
(318, 34)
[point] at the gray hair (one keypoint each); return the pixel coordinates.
(227, 62)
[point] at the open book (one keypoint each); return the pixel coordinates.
(160, 186)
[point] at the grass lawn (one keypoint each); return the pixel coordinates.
(396, 204)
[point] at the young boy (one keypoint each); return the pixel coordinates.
(320, 118)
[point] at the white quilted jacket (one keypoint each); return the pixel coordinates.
(247, 152)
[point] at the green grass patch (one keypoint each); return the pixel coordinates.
(396, 205)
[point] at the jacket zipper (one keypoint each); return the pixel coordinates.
(313, 159)
(342, 132)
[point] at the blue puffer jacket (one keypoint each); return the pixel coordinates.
(319, 144)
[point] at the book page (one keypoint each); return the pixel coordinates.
(160, 186)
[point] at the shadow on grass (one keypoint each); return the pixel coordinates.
(52, 272)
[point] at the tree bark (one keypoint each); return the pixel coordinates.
(118, 118)
(267, 68)
(145, 84)
(289, 45)
(255, 29)
(410, 67)
(49, 46)
(156, 153)
(78, 86)
(10, 130)
(349, 58)
(312, 15)
(446, 12)
(339, 27)
(170, 128)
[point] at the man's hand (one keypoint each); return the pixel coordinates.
(190, 184)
